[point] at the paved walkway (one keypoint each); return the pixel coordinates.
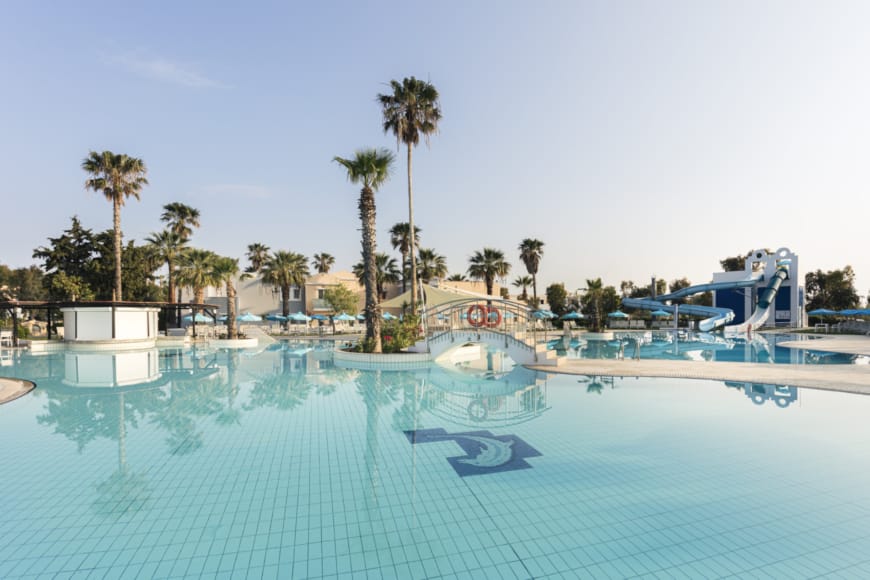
(11, 389)
(847, 378)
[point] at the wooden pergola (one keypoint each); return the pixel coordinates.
(14, 306)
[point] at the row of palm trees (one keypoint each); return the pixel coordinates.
(411, 111)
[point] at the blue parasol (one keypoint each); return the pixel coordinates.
(248, 317)
(822, 312)
(200, 317)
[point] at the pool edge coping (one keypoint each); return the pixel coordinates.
(11, 389)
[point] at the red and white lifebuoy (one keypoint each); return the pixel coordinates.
(477, 315)
(488, 316)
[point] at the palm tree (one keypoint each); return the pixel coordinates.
(323, 262)
(523, 282)
(531, 252)
(487, 265)
(225, 270)
(400, 238)
(411, 110)
(387, 273)
(169, 246)
(196, 271)
(118, 177)
(592, 299)
(257, 255)
(180, 218)
(371, 167)
(457, 278)
(431, 265)
(282, 270)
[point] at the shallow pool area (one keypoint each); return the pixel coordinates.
(700, 346)
(276, 464)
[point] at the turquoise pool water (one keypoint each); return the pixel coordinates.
(660, 345)
(279, 465)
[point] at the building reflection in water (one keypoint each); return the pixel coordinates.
(482, 389)
(759, 393)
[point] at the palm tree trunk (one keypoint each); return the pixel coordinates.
(285, 300)
(535, 289)
(199, 295)
(404, 272)
(231, 310)
(116, 203)
(489, 280)
(170, 283)
(411, 244)
(369, 247)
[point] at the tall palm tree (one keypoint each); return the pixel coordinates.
(411, 110)
(169, 246)
(257, 254)
(531, 252)
(523, 282)
(371, 167)
(196, 271)
(180, 218)
(457, 278)
(116, 176)
(400, 238)
(283, 270)
(487, 266)
(225, 270)
(387, 273)
(431, 265)
(323, 262)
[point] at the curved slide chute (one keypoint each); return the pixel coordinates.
(762, 308)
(714, 317)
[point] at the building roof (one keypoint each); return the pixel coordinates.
(434, 296)
(342, 276)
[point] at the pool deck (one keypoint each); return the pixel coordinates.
(11, 389)
(846, 378)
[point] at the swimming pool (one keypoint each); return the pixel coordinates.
(277, 464)
(665, 345)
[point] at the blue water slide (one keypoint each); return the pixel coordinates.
(713, 317)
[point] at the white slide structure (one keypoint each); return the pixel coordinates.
(764, 306)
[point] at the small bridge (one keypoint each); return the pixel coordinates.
(498, 323)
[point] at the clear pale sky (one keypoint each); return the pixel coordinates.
(633, 138)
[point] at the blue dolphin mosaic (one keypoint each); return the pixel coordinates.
(484, 452)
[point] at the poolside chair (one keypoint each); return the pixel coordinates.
(6, 338)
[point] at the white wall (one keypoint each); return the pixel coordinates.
(95, 323)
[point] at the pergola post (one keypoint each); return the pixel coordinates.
(14, 326)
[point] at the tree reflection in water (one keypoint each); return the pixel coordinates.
(377, 389)
(189, 398)
(82, 418)
(284, 390)
(229, 414)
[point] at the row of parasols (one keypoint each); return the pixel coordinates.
(615, 314)
(295, 317)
